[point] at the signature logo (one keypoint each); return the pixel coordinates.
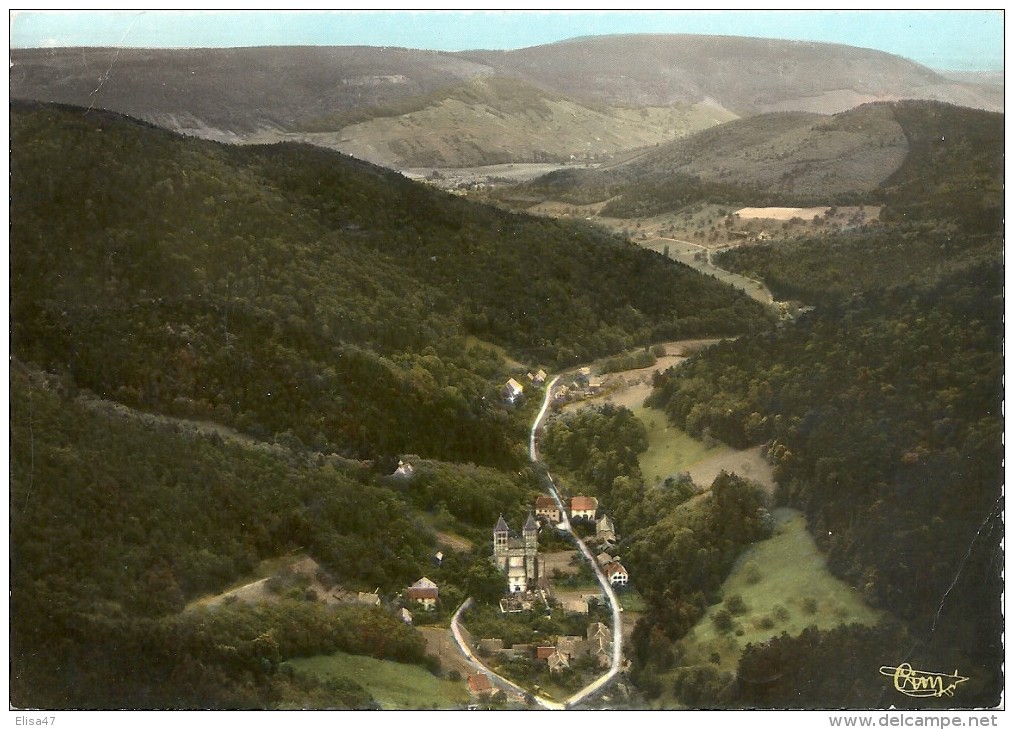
(915, 683)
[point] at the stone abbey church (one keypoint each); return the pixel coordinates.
(518, 557)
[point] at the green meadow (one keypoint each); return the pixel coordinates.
(779, 585)
(394, 685)
(670, 450)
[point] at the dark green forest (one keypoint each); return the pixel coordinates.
(300, 295)
(350, 316)
(297, 296)
(116, 525)
(882, 413)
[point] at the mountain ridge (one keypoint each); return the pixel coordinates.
(232, 94)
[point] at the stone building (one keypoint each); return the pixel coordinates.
(518, 558)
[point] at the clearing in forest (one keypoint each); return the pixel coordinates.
(781, 584)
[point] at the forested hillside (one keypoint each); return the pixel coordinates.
(115, 526)
(882, 411)
(298, 294)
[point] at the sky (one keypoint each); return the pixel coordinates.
(967, 40)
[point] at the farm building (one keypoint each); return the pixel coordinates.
(511, 390)
(545, 506)
(424, 592)
(583, 507)
(617, 574)
(480, 685)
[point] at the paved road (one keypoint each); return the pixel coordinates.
(496, 679)
(607, 589)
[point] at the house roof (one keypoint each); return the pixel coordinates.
(515, 386)
(544, 652)
(544, 501)
(479, 683)
(530, 523)
(568, 644)
(557, 659)
(583, 503)
(614, 568)
(424, 582)
(501, 525)
(491, 644)
(421, 594)
(604, 523)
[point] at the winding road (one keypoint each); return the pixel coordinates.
(607, 589)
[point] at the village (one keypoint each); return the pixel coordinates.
(545, 631)
(552, 590)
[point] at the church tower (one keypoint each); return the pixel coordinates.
(501, 535)
(531, 535)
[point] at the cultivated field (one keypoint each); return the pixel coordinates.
(440, 643)
(780, 214)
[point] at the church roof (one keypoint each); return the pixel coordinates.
(501, 525)
(530, 523)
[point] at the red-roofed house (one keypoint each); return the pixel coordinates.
(617, 574)
(425, 592)
(583, 507)
(544, 652)
(479, 685)
(545, 506)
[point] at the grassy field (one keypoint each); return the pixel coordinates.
(394, 685)
(670, 450)
(631, 600)
(785, 586)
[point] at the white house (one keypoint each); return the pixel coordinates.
(617, 574)
(583, 507)
(511, 390)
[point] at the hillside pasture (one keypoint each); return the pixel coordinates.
(747, 463)
(782, 585)
(670, 450)
(394, 686)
